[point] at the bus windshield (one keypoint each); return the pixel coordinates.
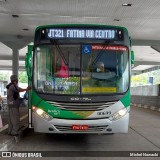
(75, 69)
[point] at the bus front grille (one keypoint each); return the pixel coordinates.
(82, 106)
(90, 129)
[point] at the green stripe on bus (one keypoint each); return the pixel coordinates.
(126, 99)
(53, 110)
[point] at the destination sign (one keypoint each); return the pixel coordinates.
(74, 33)
(112, 48)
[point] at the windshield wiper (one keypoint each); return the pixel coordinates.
(106, 43)
(60, 51)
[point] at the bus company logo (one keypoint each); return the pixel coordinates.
(55, 112)
(6, 154)
(104, 113)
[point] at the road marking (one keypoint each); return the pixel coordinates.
(4, 148)
(141, 134)
(6, 126)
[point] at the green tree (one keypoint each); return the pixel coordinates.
(4, 76)
(22, 76)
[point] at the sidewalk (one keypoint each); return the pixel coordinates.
(6, 141)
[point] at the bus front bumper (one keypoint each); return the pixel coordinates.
(80, 126)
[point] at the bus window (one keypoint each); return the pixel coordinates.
(53, 75)
(105, 71)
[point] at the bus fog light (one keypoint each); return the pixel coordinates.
(43, 114)
(119, 114)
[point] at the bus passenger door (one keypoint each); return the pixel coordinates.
(28, 66)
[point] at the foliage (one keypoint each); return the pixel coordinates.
(4, 76)
(22, 77)
(143, 79)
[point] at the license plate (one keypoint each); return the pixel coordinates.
(79, 127)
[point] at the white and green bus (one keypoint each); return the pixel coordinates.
(70, 93)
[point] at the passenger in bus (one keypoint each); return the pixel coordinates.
(63, 71)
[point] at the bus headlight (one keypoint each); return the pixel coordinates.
(39, 111)
(43, 114)
(119, 114)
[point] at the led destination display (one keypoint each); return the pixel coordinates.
(58, 33)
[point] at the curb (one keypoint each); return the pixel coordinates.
(6, 141)
(146, 107)
(6, 126)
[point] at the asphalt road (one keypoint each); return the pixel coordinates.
(143, 135)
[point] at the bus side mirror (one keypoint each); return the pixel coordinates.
(132, 59)
(28, 62)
